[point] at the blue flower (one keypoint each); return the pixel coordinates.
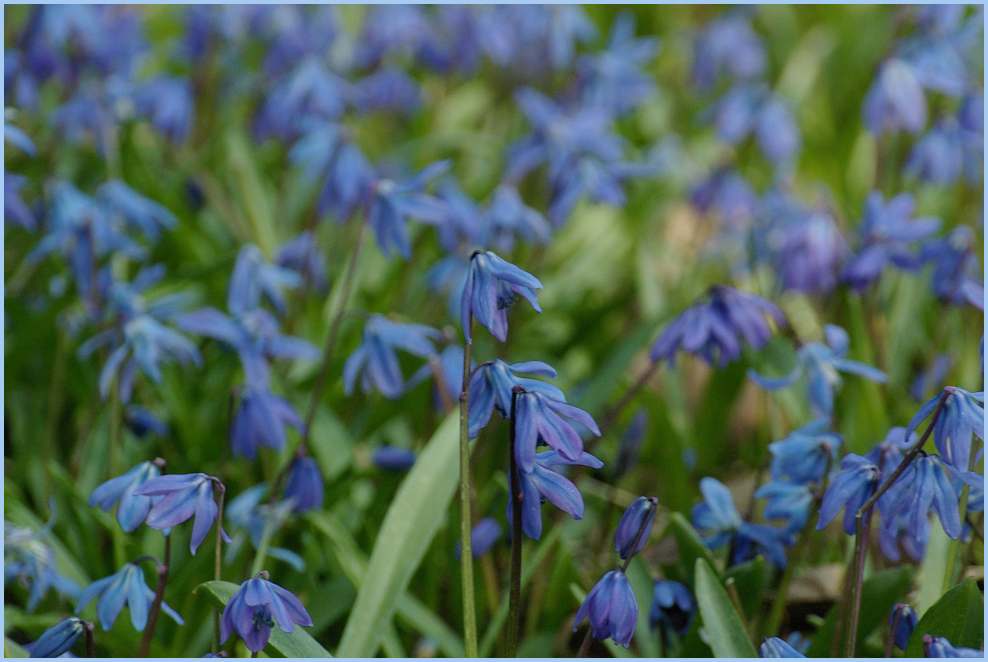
(326, 151)
(126, 586)
(541, 418)
(925, 485)
(805, 455)
(492, 285)
(393, 458)
(254, 277)
(304, 485)
(787, 501)
(635, 526)
(715, 327)
(492, 383)
(613, 78)
(673, 608)
(887, 232)
(249, 511)
(941, 647)
(182, 497)
(849, 489)
(938, 157)
(726, 194)
(30, 560)
(902, 622)
(544, 482)
(932, 378)
(956, 276)
(15, 210)
(302, 256)
(308, 94)
(507, 218)
(121, 491)
(752, 109)
(961, 418)
(611, 608)
(727, 45)
(260, 421)
(485, 534)
(142, 422)
(167, 102)
(386, 90)
(895, 100)
(376, 362)
(775, 647)
(58, 640)
(718, 522)
(258, 605)
(392, 204)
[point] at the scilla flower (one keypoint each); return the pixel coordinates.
(128, 587)
(255, 278)
(492, 382)
(775, 647)
(393, 458)
(611, 608)
(902, 622)
(545, 483)
(715, 327)
(183, 497)
(376, 362)
(849, 489)
(788, 502)
(483, 537)
(718, 522)
(258, 605)
(58, 640)
(491, 287)
(551, 421)
(304, 486)
(672, 609)
(121, 491)
(392, 204)
(941, 647)
(260, 420)
(822, 365)
(635, 526)
(805, 455)
(961, 419)
(926, 485)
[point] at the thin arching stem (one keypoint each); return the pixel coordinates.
(159, 596)
(466, 548)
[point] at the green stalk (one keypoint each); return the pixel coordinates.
(159, 596)
(466, 550)
(514, 594)
(262, 548)
(218, 561)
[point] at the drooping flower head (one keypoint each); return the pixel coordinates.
(483, 537)
(376, 361)
(260, 420)
(804, 456)
(492, 383)
(902, 622)
(255, 278)
(727, 45)
(941, 647)
(673, 608)
(611, 608)
(392, 204)
(491, 287)
(125, 587)
(790, 502)
(58, 640)
(182, 497)
(302, 256)
(121, 491)
(716, 327)
(545, 482)
(304, 485)
(849, 489)
(956, 276)
(541, 418)
(961, 419)
(895, 101)
(718, 522)
(926, 485)
(29, 560)
(635, 526)
(257, 606)
(775, 647)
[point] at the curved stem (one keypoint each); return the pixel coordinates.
(90, 639)
(159, 596)
(218, 562)
(514, 594)
(466, 550)
(614, 412)
(584, 645)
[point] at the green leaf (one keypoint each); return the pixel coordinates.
(878, 595)
(929, 579)
(419, 508)
(297, 643)
(641, 583)
(690, 546)
(751, 580)
(13, 649)
(958, 616)
(723, 625)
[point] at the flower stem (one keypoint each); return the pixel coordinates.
(262, 548)
(863, 528)
(90, 640)
(584, 645)
(466, 551)
(218, 562)
(514, 591)
(614, 412)
(159, 596)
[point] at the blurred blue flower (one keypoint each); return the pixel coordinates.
(483, 537)
(492, 382)
(611, 608)
(895, 101)
(182, 497)
(902, 622)
(715, 327)
(393, 203)
(635, 526)
(390, 29)
(122, 492)
(449, 366)
(803, 244)
(387, 89)
(938, 157)
(376, 362)
(15, 210)
(806, 454)
(303, 256)
(326, 152)
(956, 276)
(126, 586)
(673, 608)
(849, 489)
(887, 232)
(18, 139)
(167, 103)
(258, 605)
(58, 640)
(787, 501)
(613, 78)
(508, 219)
(941, 647)
(86, 117)
(727, 45)
(142, 422)
(775, 647)
(727, 195)
(309, 93)
(258, 518)
(253, 278)
(492, 285)
(961, 418)
(544, 483)
(933, 378)
(30, 560)
(393, 458)
(752, 109)
(718, 522)
(260, 421)
(541, 418)
(304, 485)
(822, 364)
(925, 485)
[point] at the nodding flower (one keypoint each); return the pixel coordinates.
(492, 285)
(635, 526)
(183, 497)
(611, 608)
(258, 605)
(126, 586)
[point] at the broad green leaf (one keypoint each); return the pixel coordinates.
(878, 595)
(723, 625)
(331, 444)
(297, 643)
(419, 508)
(958, 616)
(929, 579)
(690, 546)
(641, 584)
(751, 580)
